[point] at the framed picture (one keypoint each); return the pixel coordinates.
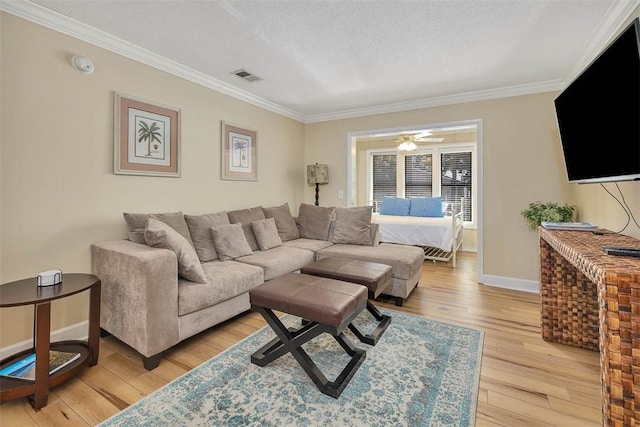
(146, 138)
(239, 153)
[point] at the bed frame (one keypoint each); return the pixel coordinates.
(437, 254)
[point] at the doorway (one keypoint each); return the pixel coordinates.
(436, 141)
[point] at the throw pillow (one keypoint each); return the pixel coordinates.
(136, 225)
(266, 233)
(353, 225)
(426, 206)
(199, 226)
(230, 241)
(160, 235)
(313, 221)
(395, 206)
(245, 217)
(287, 228)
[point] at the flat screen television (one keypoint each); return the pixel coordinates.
(598, 114)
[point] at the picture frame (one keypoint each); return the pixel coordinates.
(146, 138)
(239, 153)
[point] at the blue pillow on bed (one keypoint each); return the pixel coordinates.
(426, 206)
(395, 206)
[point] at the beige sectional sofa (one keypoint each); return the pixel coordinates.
(178, 275)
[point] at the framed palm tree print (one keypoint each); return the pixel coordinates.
(239, 153)
(146, 138)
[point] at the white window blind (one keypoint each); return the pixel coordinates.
(384, 177)
(456, 179)
(418, 175)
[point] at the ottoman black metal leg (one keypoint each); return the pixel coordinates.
(373, 337)
(291, 341)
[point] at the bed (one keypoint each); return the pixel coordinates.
(440, 238)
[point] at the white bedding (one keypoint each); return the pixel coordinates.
(417, 231)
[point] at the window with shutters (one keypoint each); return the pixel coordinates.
(453, 179)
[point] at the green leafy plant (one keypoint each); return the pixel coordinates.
(548, 211)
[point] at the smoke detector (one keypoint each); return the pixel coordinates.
(82, 64)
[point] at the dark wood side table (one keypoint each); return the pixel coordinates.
(592, 300)
(26, 292)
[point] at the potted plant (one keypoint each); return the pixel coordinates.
(547, 211)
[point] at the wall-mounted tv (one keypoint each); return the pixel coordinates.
(599, 114)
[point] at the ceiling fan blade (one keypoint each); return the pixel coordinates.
(429, 139)
(423, 134)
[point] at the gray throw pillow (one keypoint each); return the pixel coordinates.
(136, 224)
(313, 221)
(199, 226)
(160, 235)
(353, 225)
(230, 241)
(286, 225)
(245, 217)
(266, 233)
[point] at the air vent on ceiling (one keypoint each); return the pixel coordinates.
(244, 74)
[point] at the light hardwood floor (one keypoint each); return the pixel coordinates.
(524, 380)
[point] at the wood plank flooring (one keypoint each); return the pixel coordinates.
(525, 381)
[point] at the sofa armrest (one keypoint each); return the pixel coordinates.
(375, 234)
(139, 298)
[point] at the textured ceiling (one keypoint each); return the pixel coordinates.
(326, 59)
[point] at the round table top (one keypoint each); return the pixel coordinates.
(27, 291)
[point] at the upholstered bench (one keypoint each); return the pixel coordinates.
(375, 276)
(328, 305)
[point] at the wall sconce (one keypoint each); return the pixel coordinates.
(317, 174)
(83, 64)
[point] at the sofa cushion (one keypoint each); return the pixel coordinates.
(160, 235)
(392, 205)
(278, 261)
(225, 280)
(405, 260)
(312, 245)
(136, 224)
(314, 221)
(426, 206)
(287, 228)
(230, 241)
(199, 226)
(266, 233)
(245, 217)
(353, 225)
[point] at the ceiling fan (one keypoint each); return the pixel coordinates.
(408, 140)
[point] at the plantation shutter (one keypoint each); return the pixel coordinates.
(384, 177)
(456, 179)
(418, 175)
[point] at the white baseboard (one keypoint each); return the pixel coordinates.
(79, 331)
(531, 286)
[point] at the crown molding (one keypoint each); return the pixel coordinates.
(56, 21)
(483, 95)
(63, 24)
(611, 23)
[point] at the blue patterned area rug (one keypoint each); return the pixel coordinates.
(421, 373)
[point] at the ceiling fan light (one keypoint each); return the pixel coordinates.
(407, 146)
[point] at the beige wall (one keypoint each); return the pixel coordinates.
(521, 162)
(59, 193)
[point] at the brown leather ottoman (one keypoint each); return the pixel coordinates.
(328, 306)
(375, 276)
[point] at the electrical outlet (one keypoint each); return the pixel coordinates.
(340, 194)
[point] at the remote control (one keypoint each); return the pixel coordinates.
(622, 251)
